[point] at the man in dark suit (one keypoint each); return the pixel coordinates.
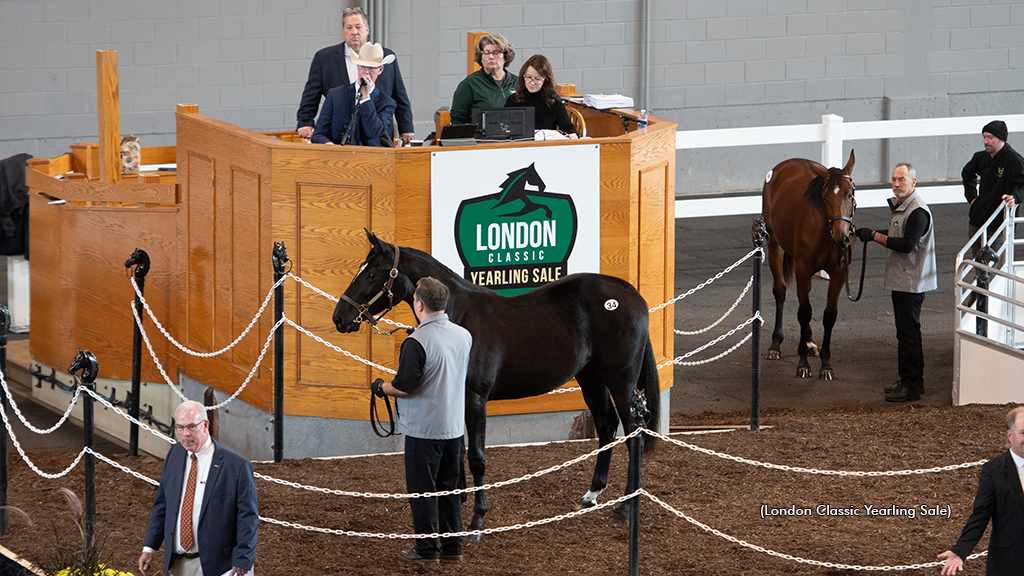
(212, 487)
(333, 67)
(369, 111)
(1000, 499)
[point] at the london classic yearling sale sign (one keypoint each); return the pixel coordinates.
(515, 219)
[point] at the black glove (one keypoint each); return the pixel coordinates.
(865, 234)
(378, 388)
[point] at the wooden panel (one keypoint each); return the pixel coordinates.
(330, 224)
(471, 40)
(80, 296)
(47, 338)
(159, 155)
(87, 159)
(224, 211)
(201, 255)
(245, 294)
(40, 182)
(123, 193)
(651, 263)
(109, 116)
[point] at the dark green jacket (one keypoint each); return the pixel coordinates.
(479, 90)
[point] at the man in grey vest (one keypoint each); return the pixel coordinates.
(909, 273)
(431, 389)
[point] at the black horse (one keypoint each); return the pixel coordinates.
(590, 327)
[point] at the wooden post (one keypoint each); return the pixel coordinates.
(471, 40)
(109, 112)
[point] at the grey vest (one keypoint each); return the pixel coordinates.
(913, 272)
(436, 410)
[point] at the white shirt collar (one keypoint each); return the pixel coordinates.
(1017, 460)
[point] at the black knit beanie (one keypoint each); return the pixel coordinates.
(996, 128)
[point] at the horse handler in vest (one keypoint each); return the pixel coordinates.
(909, 273)
(431, 388)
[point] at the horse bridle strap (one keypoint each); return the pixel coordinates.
(852, 212)
(364, 309)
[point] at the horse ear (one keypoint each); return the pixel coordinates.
(849, 164)
(819, 170)
(374, 241)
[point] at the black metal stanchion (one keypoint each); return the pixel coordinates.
(988, 257)
(86, 362)
(760, 236)
(140, 260)
(5, 326)
(639, 414)
(280, 257)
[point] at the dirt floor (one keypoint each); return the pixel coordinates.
(725, 495)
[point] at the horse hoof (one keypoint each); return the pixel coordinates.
(773, 355)
(802, 372)
(619, 515)
(826, 375)
(477, 524)
(584, 503)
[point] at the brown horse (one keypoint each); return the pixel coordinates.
(808, 212)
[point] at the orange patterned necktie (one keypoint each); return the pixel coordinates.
(186, 507)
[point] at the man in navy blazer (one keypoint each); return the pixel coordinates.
(221, 537)
(370, 121)
(1000, 498)
(331, 68)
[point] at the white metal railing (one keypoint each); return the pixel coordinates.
(833, 131)
(1004, 293)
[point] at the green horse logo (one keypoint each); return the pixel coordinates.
(518, 238)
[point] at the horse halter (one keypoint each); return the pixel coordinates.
(852, 212)
(364, 309)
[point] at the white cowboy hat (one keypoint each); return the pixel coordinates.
(372, 56)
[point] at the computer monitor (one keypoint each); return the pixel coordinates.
(513, 123)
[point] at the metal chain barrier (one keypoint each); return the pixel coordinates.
(467, 490)
(724, 316)
(335, 348)
(712, 343)
(713, 358)
(122, 468)
(812, 470)
(708, 281)
(21, 451)
(189, 351)
(464, 533)
(17, 411)
(128, 417)
(834, 565)
(167, 379)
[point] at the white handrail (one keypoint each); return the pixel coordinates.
(833, 131)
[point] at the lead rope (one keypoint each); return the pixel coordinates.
(375, 419)
(863, 267)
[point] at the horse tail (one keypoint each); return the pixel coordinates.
(787, 269)
(649, 383)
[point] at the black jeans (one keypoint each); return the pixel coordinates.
(433, 466)
(906, 307)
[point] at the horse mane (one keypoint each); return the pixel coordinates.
(816, 188)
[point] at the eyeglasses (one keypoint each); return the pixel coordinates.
(494, 53)
(534, 79)
(190, 427)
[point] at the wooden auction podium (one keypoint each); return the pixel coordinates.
(242, 191)
(210, 236)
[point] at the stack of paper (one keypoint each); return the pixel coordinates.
(604, 101)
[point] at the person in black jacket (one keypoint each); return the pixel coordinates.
(1001, 171)
(1000, 499)
(537, 88)
(333, 67)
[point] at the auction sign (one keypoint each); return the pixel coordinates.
(517, 218)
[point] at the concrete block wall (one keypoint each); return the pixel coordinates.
(713, 64)
(241, 61)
